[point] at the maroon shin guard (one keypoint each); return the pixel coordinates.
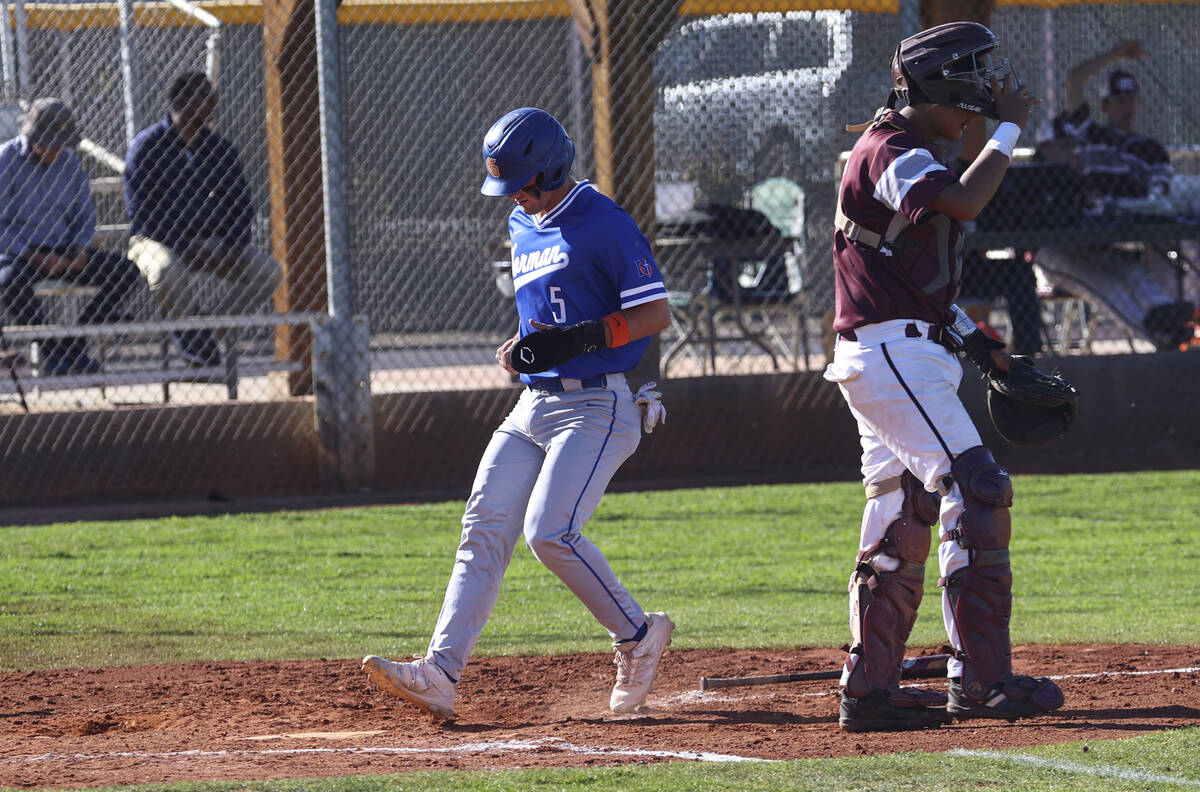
(887, 601)
(981, 593)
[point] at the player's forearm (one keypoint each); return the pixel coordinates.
(646, 319)
(965, 199)
(549, 346)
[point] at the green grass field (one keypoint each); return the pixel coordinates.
(1098, 558)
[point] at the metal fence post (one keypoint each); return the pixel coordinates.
(341, 354)
(8, 57)
(342, 403)
(125, 15)
(910, 18)
(21, 26)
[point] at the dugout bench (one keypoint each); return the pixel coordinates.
(163, 368)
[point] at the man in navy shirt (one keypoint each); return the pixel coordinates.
(47, 221)
(190, 212)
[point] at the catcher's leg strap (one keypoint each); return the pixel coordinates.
(980, 593)
(886, 589)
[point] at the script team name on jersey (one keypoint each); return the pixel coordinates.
(528, 267)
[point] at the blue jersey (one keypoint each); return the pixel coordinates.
(585, 259)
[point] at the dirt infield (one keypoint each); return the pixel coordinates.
(210, 721)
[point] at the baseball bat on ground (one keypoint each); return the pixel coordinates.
(912, 668)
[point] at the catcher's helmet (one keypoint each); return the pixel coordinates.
(526, 146)
(947, 65)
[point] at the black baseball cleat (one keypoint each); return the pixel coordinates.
(895, 709)
(1010, 699)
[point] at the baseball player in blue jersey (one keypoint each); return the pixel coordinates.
(589, 295)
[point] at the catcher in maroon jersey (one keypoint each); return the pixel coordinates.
(897, 268)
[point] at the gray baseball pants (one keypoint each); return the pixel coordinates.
(542, 476)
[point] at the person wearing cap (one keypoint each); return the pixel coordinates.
(1115, 162)
(190, 214)
(47, 221)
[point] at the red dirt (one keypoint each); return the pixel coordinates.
(211, 721)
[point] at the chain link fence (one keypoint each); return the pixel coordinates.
(742, 147)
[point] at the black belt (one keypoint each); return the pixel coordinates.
(555, 385)
(937, 333)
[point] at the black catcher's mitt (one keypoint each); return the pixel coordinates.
(1029, 407)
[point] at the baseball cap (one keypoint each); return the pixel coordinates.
(1121, 83)
(50, 124)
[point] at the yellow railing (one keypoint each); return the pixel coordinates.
(76, 16)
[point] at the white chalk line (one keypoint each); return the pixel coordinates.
(1190, 670)
(1063, 765)
(552, 743)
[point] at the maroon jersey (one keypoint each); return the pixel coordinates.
(890, 180)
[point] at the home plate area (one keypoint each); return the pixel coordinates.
(295, 719)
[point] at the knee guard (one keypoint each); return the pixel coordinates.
(884, 601)
(980, 594)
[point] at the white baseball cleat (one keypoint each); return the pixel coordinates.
(637, 666)
(420, 682)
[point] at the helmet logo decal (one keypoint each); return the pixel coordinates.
(492, 168)
(526, 355)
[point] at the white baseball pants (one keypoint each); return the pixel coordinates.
(888, 379)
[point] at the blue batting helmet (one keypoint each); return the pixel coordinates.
(526, 146)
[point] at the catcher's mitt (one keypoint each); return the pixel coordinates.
(1029, 407)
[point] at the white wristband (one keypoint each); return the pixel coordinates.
(1004, 139)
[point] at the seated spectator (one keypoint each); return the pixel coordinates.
(47, 221)
(1115, 162)
(190, 213)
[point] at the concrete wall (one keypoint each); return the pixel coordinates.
(1137, 412)
(216, 451)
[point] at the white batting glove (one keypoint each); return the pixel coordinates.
(650, 403)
